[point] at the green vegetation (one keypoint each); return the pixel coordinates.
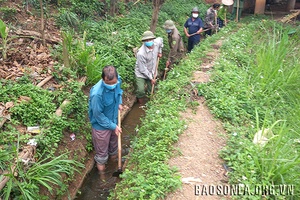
(4, 34)
(35, 106)
(7, 13)
(44, 173)
(255, 86)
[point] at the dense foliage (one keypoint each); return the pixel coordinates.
(91, 40)
(114, 38)
(254, 87)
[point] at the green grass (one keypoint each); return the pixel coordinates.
(254, 86)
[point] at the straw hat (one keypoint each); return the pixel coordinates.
(169, 24)
(147, 35)
(227, 2)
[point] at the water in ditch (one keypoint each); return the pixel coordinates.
(93, 187)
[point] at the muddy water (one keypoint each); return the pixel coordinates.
(94, 187)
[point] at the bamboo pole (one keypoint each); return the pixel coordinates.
(216, 21)
(237, 11)
(225, 19)
(155, 74)
(43, 82)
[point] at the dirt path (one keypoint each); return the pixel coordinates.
(199, 163)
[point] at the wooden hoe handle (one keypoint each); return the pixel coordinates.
(119, 142)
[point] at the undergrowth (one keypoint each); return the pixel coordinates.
(254, 88)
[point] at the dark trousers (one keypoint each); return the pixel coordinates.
(191, 44)
(208, 32)
(220, 22)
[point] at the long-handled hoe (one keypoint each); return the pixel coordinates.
(156, 67)
(119, 171)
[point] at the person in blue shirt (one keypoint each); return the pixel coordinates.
(192, 29)
(104, 103)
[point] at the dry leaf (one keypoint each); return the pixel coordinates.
(24, 98)
(9, 104)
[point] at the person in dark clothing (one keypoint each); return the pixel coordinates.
(192, 29)
(268, 4)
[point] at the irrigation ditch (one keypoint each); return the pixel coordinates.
(77, 146)
(86, 184)
(93, 187)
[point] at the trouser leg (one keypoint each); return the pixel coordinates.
(140, 87)
(233, 14)
(113, 144)
(240, 13)
(149, 86)
(100, 139)
(190, 45)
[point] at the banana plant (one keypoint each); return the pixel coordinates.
(4, 33)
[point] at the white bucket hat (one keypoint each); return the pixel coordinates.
(227, 2)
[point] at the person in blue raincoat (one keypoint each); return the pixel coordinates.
(192, 29)
(104, 103)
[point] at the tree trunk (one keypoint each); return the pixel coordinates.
(105, 7)
(42, 23)
(290, 5)
(156, 6)
(113, 7)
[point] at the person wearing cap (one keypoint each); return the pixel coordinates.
(145, 66)
(175, 43)
(192, 29)
(210, 17)
(237, 10)
(104, 102)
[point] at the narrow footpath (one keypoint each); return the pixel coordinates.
(199, 164)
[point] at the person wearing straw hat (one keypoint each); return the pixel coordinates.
(222, 12)
(192, 29)
(146, 62)
(237, 9)
(175, 43)
(210, 18)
